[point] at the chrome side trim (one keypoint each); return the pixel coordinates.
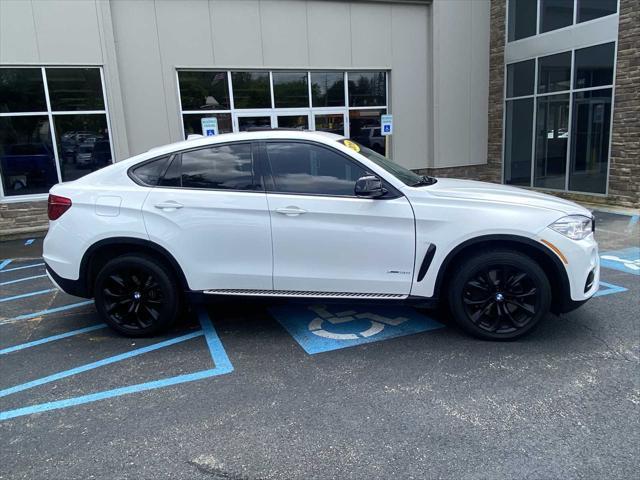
(296, 293)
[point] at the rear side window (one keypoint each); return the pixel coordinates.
(226, 167)
(150, 173)
(311, 169)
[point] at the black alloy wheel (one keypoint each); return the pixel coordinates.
(136, 295)
(499, 295)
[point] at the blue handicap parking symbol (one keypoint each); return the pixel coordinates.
(387, 128)
(626, 260)
(321, 328)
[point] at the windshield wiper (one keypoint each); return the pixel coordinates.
(425, 180)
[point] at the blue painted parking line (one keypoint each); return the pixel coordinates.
(222, 365)
(608, 289)
(4, 263)
(100, 363)
(320, 328)
(52, 338)
(625, 260)
(30, 241)
(6, 270)
(25, 295)
(2, 284)
(48, 311)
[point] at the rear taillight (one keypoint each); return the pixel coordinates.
(57, 205)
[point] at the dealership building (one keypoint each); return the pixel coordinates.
(542, 94)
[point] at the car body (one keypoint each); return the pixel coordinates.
(313, 215)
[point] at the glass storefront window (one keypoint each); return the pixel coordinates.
(28, 153)
(367, 89)
(554, 73)
(330, 122)
(290, 89)
(299, 122)
(27, 161)
(552, 136)
(204, 90)
(75, 89)
(591, 9)
(591, 119)
(250, 93)
(251, 89)
(521, 78)
(594, 66)
(83, 144)
(21, 90)
(193, 126)
(522, 19)
(364, 128)
(327, 89)
(555, 14)
(517, 141)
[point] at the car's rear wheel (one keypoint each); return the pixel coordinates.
(498, 295)
(136, 295)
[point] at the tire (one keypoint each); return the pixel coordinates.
(136, 295)
(498, 294)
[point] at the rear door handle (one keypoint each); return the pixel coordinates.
(169, 205)
(291, 211)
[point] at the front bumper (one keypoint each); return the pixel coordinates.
(581, 262)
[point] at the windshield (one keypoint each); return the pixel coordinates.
(405, 175)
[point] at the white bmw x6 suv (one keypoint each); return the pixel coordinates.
(312, 215)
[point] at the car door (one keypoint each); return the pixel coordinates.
(210, 212)
(325, 239)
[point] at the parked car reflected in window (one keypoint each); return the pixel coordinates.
(27, 161)
(83, 144)
(364, 127)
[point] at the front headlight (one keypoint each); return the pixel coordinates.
(575, 227)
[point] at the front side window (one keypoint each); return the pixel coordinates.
(224, 167)
(311, 169)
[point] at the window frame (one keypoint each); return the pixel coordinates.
(269, 181)
(50, 114)
(538, 32)
(570, 91)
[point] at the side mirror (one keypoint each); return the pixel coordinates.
(369, 187)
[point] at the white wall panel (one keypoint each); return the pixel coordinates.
(141, 74)
(284, 33)
(18, 43)
(67, 31)
(236, 32)
(370, 34)
(409, 102)
(329, 34)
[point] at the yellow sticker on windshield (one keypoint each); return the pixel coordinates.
(353, 146)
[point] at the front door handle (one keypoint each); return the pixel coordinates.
(169, 205)
(291, 211)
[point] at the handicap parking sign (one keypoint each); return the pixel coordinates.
(321, 328)
(625, 260)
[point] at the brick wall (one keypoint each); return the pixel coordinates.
(624, 173)
(21, 218)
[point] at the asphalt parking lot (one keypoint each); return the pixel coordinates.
(295, 391)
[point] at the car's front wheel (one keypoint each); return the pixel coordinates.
(136, 295)
(498, 295)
